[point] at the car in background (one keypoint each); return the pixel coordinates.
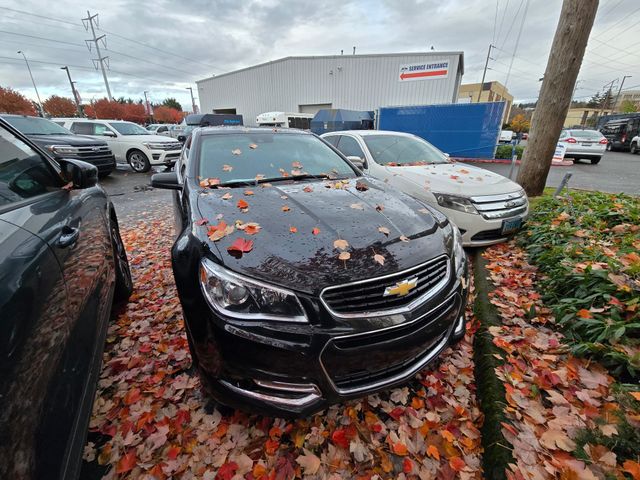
(129, 142)
(168, 130)
(61, 143)
(584, 144)
(329, 286)
(506, 136)
(487, 208)
(62, 263)
(285, 120)
(635, 145)
(620, 131)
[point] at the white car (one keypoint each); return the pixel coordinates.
(165, 129)
(587, 144)
(486, 207)
(129, 142)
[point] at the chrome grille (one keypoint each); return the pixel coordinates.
(506, 205)
(366, 297)
(171, 146)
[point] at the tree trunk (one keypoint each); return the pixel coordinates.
(565, 58)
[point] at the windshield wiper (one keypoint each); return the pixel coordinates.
(303, 176)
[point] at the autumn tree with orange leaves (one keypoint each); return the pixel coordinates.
(57, 106)
(164, 114)
(14, 102)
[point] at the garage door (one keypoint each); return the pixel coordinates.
(313, 108)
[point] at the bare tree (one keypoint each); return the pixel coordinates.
(565, 58)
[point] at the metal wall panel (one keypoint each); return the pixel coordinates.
(355, 82)
(468, 130)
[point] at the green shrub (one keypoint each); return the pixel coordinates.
(586, 245)
(504, 151)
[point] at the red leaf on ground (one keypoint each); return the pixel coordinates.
(127, 462)
(227, 471)
(339, 437)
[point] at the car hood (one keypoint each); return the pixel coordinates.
(73, 140)
(149, 138)
(308, 262)
(454, 178)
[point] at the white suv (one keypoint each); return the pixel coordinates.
(128, 141)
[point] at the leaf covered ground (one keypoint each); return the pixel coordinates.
(151, 419)
(567, 418)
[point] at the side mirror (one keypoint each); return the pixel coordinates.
(108, 133)
(357, 161)
(182, 138)
(168, 181)
(81, 174)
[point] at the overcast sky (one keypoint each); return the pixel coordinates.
(165, 45)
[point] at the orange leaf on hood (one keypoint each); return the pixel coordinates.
(240, 246)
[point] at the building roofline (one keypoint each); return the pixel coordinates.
(310, 57)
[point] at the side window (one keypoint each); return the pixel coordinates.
(23, 172)
(349, 147)
(162, 129)
(82, 128)
(99, 129)
(333, 139)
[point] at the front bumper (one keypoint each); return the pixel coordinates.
(585, 152)
(298, 369)
(164, 157)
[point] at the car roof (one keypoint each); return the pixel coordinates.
(80, 119)
(221, 129)
(369, 132)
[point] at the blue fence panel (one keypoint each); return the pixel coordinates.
(460, 129)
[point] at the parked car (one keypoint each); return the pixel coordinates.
(525, 136)
(344, 288)
(487, 207)
(587, 144)
(129, 142)
(195, 120)
(506, 136)
(62, 262)
(635, 144)
(61, 143)
(619, 132)
(166, 129)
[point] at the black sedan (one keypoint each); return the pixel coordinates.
(62, 262)
(302, 281)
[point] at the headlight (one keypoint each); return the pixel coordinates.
(461, 204)
(62, 149)
(246, 299)
(459, 255)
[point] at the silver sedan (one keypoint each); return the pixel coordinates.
(587, 144)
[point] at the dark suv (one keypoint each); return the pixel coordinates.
(60, 143)
(303, 282)
(620, 132)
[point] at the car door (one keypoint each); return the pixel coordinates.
(114, 140)
(350, 147)
(57, 273)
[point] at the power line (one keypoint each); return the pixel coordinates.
(512, 23)
(626, 17)
(504, 14)
(41, 38)
(150, 62)
(46, 17)
(515, 48)
(495, 24)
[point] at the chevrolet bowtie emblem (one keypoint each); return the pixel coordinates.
(402, 288)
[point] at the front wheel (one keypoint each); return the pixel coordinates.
(138, 161)
(124, 283)
(634, 148)
(595, 161)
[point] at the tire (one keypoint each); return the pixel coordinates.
(138, 161)
(124, 283)
(634, 148)
(595, 161)
(609, 147)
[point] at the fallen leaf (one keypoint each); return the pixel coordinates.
(309, 462)
(227, 196)
(379, 207)
(209, 182)
(307, 189)
(285, 208)
(248, 192)
(253, 146)
(127, 462)
(221, 230)
(242, 204)
(457, 463)
(635, 395)
(341, 244)
(236, 151)
(227, 168)
(201, 222)
(403, 238)
(240, 246)
(293, 229)
(344, 256)
(250, 228)
(384, 230)
(554, 439)
(357, 206)
(69, 186)
(362, 187)
(296, 164)
(378, 258)
(632, 468)
(433, 452)
(315, 231)
(583, 313)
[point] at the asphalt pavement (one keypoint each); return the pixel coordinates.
(617, 172)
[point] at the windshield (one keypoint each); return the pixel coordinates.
(153, 128)
(238, 157)
(128, 128)
(398, 150)
(36, 126)
(586, 134)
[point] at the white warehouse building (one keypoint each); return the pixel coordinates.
(353, 82)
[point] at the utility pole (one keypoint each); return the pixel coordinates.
(89, 23)
(194, 107)
(607, 97)
(33, 82)
(76, 97)
(484, 73)
(620, 90)
(567, 51)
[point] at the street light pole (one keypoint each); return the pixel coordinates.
(194, 108)
(615, 104)
(73, 90)
(33, 82)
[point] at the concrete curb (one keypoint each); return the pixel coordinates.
(505, 161)
(490, 390)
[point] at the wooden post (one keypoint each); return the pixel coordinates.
(565, 58)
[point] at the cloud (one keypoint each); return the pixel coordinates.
(164, 46)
